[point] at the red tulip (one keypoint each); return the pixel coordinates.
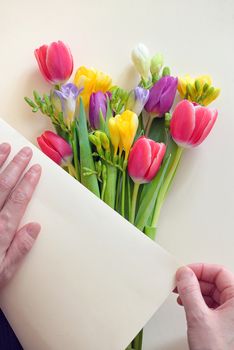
(55, 147)
(145, 159)
(55, 62)
(190, 124)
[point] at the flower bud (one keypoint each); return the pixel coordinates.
(156, 63)
(137, 99)
(55, 147)
(141, 60)
(55, 62)
(190, 124)
(145, 159)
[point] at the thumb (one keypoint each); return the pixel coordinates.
(190, 294)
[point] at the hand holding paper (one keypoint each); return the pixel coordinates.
(14, 198)
(92, 280)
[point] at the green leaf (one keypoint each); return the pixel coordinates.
(86, 159)
(149, 195)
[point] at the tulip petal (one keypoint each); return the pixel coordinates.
(159, 149)
(206, 127)
(41, 55)
(168, 96)
(182, 122)
(155, 95)
(139, 160)
(59, 61)
(58, 143)
(48, 150)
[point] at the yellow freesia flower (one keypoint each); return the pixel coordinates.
(91, 80)
(114, 134)
(199, 90)
(123, 128)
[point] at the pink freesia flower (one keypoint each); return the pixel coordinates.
(145, 159)
(55, 147)
(190, 124)
(55, 62)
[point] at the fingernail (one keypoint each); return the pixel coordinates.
(35, 169)
(25, 152)
(183, 273)
(33, 229)
(4, 147)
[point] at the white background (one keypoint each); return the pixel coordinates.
(196, 37)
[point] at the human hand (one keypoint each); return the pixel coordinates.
(15, 194)
(207, 293)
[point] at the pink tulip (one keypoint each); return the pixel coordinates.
(55, 62)
(55, 147)
(145, 159)
(190, 124)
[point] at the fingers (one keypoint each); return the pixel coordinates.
(16, 205)
(190, 294)
(219, 276)
(210, 302)
(20, 246)
(5, 149)
(12, 173)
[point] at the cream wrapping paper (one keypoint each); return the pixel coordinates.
(92, 280)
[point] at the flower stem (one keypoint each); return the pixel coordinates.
(110, 191)
(123, 194)
(165, 187)
(123, 188)
(148, 126)
(134, 200)
(75, 155)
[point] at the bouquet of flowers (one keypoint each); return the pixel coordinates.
(124, 146)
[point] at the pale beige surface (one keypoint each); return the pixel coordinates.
(196, 37)
(86, 284)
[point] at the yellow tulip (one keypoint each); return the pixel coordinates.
(91, 80)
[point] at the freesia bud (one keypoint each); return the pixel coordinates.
(145, 159)
(55, 147)
(55, 62)
(166, 71)
(161, 96)
(190, 124)
(114, 134)
(199, 90)
(66, 98)
(137, 100)
(156, 63)
(98, 103)
(104, 140)
(141, 60)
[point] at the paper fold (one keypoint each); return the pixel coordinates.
(92, 280)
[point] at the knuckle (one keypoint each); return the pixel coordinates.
(5, 224)
(5, 183)
(24, 244)
(19, 196)
(188, 289)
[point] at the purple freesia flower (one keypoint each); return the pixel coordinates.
(97, 104)
(161, 96)
(137, 100)
(65, 100)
